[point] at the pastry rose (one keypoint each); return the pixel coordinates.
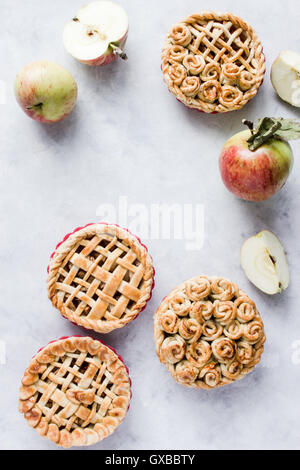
(232, 370)
(219, 47)
(211, 72)
(230, 96)
(202, 311)
(190, 329)
(180, 305)
(246, 309)
(234, 330)
(230, 74)
(181, 34)
(177, 73)
(190, 86)
(176, 54)
(198, 354)
(223, 349)
(209, 91)
(186, 373)
(245, 352)
(173, 349)
(253, 331)
(169, 322)
(224, 312)
(211, 335)
(197, 289)
(211, 330)
(194, 63)
(247, 80)
(222, 289)
(211, 375)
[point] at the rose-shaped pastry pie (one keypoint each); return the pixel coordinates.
(100, 277)
(208, 333)
(223, 52)
(75, 391)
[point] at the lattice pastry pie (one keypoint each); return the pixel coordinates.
(213, 62)
(208, 333)
(75, 392)
(100, 277)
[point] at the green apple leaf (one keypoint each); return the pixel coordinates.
(272, 128)
(290, 129)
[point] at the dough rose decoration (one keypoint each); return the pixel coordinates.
(100, 277)
(75, 391)
(219, 339)
(213, 62)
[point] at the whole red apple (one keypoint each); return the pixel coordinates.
(256, 172)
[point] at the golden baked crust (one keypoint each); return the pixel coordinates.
(208, 333)
(75, 392)
(213, 62)
(100, 277)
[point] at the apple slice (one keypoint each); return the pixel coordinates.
(97, 34)
(264, 262)
(285, 77)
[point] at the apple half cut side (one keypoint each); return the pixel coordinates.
(97, 34)
(285, 77)
(264, 263)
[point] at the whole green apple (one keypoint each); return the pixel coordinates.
(255, 164)
(46, 91)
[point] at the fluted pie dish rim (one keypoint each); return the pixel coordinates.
(105, 291)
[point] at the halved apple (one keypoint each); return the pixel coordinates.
(264, 262)
(285, 77)
(97, 34)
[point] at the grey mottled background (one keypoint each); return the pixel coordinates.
(128, 136)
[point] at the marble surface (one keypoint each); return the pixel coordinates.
(129, 137)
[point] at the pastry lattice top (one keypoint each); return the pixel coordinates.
(213, 62)
(76, 391)
(100, 277)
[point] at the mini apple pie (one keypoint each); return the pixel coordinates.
(75, 391)
(208, 333)
(100, 277)
(213, 62)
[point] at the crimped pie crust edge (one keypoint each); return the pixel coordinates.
(63, 248)
(202, 106)
(79, 436)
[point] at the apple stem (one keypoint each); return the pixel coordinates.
(118, 51)
(249, 124)
(39, 105)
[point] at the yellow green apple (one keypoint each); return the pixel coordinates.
(46, 91)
